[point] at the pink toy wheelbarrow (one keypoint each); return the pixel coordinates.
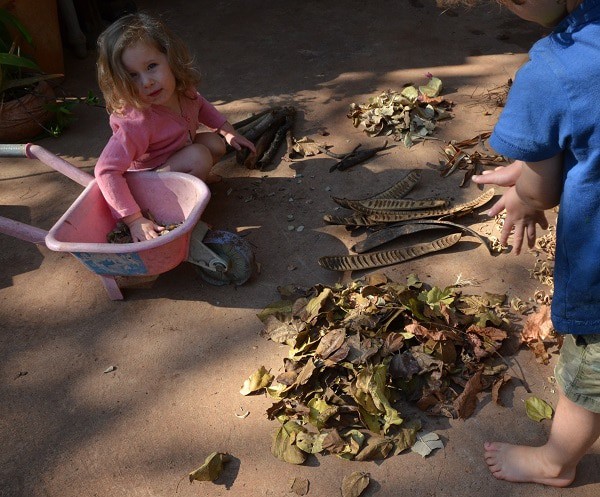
(220, 257)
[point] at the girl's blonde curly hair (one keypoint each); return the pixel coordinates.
(115, 82)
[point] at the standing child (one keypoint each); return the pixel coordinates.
(551, 124)
(148, 81)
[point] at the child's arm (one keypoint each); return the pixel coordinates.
(538, 187)
(233, 138)
(130, 139)
(211, 117)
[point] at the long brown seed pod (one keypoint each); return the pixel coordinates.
(386, 257)
(397, 190)
(396, 204)
(393, 217)
(390, 233)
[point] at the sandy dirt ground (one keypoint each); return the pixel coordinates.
(183, 348)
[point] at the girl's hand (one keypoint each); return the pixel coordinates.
(141, 228)
(519, 216)
(238, 141)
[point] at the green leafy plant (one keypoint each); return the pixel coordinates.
(20, 75)
(62, 110)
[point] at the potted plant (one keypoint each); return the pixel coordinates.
(24, 91)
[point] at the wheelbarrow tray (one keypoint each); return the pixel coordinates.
(170, 197)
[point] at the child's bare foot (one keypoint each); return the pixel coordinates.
(519, 463)
(213, 178)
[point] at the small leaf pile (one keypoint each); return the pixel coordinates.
(409, 116)
(356, 350)
(456, 157)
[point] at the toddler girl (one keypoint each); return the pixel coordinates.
(146, 76)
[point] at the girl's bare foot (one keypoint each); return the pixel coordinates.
(519, 463)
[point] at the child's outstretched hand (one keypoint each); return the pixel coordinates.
(521, 217)
(501, 176)
(141, 228)
(234, 139)
(238, 141)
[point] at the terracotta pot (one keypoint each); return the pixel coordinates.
(23, 118)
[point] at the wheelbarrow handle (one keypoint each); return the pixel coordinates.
(32, 151)
(13, 150)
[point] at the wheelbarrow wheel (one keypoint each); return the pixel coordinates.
(238, 254)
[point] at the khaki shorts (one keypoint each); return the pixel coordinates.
(577, 371)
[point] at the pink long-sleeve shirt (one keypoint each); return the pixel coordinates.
(144, 139)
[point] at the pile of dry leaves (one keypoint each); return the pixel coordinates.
(357, 350)
(409, 116)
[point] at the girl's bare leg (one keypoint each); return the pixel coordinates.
(198, 158)
(574, 430)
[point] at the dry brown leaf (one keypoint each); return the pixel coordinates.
(330, 342)
(375, 448)
(466, 402)
(539, 335)
(333, 442)
(538, 326)
(299, 486)
(353, 485)
(422, 331)
(497, 386)
(306, 372)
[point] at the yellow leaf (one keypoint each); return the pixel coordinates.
(258, 380)
(354, 484)
(537, 409)
(211, 469)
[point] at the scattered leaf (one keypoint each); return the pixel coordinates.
(538, 326)
(211, 469)
(311, 443)
(307, 147)
(279, 331)
(299, 486)
(279, 309)
(258, 380)
(375, 448)
(539, 334)
(354, 484)
(284, 446)
(406, 437)
(538, 409)
(427, 443)
(466, 402)
(497, 386)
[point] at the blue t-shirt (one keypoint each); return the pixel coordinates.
(554, 107)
